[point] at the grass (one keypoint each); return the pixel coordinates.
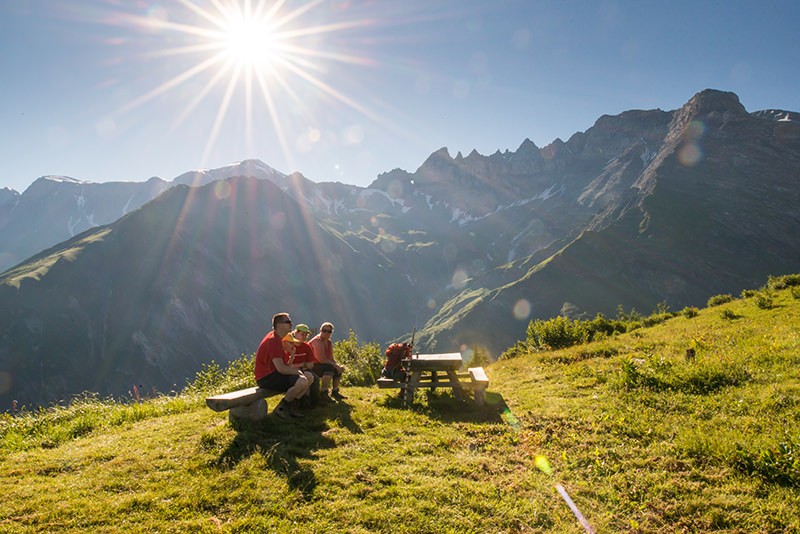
(39, 268)
(642, 438)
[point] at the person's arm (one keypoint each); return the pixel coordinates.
(284, 368)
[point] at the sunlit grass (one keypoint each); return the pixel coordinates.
(671, 444)
(35, 270)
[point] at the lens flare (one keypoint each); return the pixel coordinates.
(522, 310)
(459, 279)
(690, 154)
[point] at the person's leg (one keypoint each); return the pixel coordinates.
(306, 396)
(335, 393)
(313, 390)
(279, 382)
(298, 388)
(295, 392)
(326, 383)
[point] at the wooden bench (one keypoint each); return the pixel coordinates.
(246, 403)
(384, 383)
(479, 383)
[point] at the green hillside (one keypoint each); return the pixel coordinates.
(641, 438)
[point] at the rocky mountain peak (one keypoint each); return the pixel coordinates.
(8, 196)
(712, 100)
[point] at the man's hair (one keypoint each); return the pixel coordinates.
(279, 317)
(326, 325)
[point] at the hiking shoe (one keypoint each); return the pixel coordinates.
(294, 411)
(281, 410)
(336, 395)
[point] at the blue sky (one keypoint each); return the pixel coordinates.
(109, 90)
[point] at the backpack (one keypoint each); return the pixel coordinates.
(395, 353)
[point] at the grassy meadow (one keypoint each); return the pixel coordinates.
(640, 437)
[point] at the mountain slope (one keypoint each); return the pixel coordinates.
(644, 207)
(194, 275)
(714, 210)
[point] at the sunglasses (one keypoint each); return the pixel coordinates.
(327, 330)
(284, 322)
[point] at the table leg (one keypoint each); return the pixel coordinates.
(411, 386)
(458, 391)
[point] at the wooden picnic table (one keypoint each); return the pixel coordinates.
(424, 371)
(438, 371)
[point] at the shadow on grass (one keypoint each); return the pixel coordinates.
(283, 443)
(443, 406)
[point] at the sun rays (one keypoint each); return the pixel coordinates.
(255, 57)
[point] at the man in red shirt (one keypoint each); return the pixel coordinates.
(272, 369)
(326, 367)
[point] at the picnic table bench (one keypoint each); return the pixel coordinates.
(423, 370)
(248, 403)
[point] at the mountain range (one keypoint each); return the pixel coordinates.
(141, 283)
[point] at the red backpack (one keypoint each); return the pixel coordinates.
(395, 353)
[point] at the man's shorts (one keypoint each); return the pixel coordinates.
(322, 369)
(277, 381)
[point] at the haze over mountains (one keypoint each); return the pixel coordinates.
(644, 207)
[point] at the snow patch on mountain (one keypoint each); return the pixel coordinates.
(65, 179)
(366, 193)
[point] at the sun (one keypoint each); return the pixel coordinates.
(255, 50)
(249, 42)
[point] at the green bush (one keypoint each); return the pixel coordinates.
(690, 311)
(557, 333)
(211, 378)
(796, 292)
(728, 314)
(518, 349)
(657, 318)
(607, 327)
(716, 300)
(747, 293)
(480, 357)
(363, 362)
(782, 282)
(764, 299)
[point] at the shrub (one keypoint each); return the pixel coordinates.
(514, 351)
(796, 292)
(633, 315)
(556, 333)
(747, 293)
(480, 357)
(716, 300)
(211, 378)
(728, 314)
(208, 378)
(363, 362)
(764, 299)
(690, 311)
(657, 318)
(600, 326)
(782, 282)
